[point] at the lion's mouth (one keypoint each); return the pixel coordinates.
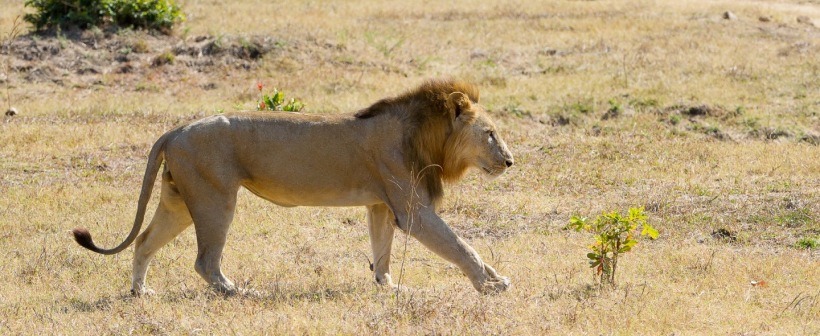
(493, 171)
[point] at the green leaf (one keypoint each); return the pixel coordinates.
(593, 256)
(595, 248)
(636, 214)
(278, 97)
(650, 231)
(268, 103)
(297, 106)
(577, 223)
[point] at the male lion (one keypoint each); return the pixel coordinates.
(390, 157)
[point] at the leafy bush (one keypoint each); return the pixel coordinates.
(152, 14)
(613, 236)
(159, 15)
(276, 101)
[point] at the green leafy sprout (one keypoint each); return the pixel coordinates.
(614, 235)
(276, 102)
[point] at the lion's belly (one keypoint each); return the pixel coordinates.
(306, 197)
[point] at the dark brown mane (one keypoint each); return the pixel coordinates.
(428, 121)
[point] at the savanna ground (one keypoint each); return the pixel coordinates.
(711, 124)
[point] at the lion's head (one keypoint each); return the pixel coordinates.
(447, 132)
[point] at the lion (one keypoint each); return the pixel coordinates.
(392, 158)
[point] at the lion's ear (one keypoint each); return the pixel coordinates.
(459, 104)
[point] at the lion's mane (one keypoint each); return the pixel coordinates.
(430, 146)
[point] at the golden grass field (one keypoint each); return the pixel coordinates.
(718, 131)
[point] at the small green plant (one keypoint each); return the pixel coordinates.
(276, 101)
(615, 107)
(807, 243)
(675, 119)
(614, 235)
(740, 110)
(516, 110)
(582, 107)
(644, 104)
(165, 58)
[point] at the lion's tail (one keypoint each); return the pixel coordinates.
(155, 158)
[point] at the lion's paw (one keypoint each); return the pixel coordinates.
(225, 288)
(397, 288)
(248, 292)
(142, 291)
(495, 285)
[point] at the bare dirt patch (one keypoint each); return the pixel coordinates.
(81, 58)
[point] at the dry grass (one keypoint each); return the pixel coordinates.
(747, 164)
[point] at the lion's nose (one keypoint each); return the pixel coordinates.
(509, 163)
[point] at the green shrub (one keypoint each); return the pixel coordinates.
(50, 13)
(152, 14)
(614, 235)
(159, 15)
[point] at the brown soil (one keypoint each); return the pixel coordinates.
(80, 59)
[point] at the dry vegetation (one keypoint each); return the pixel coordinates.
(711, 124)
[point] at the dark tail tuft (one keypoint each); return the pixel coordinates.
(83, 237)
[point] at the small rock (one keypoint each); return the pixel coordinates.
(88, 70)
(478, 53)
(126, 68)
(614, 113)
(765, 18)
(793, 204)
(729, 16)
(700, 110)
(12, 112)
(723, 234)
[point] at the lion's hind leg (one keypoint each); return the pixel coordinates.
(170, 219)
(212, 209)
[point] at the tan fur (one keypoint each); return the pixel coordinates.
(371, 158)
(428, 119)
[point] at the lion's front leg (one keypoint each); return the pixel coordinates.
(429, 229)
(380, 222)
